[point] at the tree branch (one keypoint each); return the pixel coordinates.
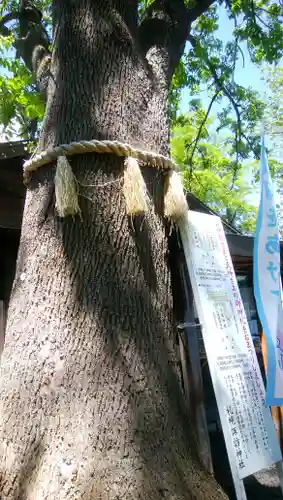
(32, 46)
(164, 28)
(11, 16)
(199, 8)
(196, 141)
(166, 24)
(219, 84)
(236, 106)
(221, 87)
(237, 49)
(256, 16)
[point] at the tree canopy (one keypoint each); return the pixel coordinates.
(214, 172)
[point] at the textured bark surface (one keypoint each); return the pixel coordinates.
(91, 404)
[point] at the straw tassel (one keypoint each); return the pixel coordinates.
(65, 189)
(175, 203)
(135, 191)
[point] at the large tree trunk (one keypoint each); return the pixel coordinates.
(91, 400)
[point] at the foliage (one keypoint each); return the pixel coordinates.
(273, 121)
(20, 104)
(273, 116)
(212, 179)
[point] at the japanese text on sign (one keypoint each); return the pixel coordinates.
(247, 425)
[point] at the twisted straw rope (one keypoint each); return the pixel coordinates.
(94, 146)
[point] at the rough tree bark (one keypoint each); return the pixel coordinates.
(91, 405)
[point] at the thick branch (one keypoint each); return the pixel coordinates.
(11, 16)
(199, 8)
(165, 26)
(33, 44)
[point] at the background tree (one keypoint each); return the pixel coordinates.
(91, 400)
(273, 124)
(213, 178)
(273, 116)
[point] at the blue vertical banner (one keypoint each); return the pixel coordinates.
(267, 283)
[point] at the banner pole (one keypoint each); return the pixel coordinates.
(276, 412)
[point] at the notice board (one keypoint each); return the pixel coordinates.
(247, 424)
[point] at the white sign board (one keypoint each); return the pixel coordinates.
(247, 424)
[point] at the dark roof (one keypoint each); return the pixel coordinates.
(13, 149)
(242, 246)
(12, 189)
(198, 206)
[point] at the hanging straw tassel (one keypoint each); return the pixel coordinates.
(135, 191)
(175, 203)
(65, 189)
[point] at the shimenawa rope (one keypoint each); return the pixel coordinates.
(134, 186)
